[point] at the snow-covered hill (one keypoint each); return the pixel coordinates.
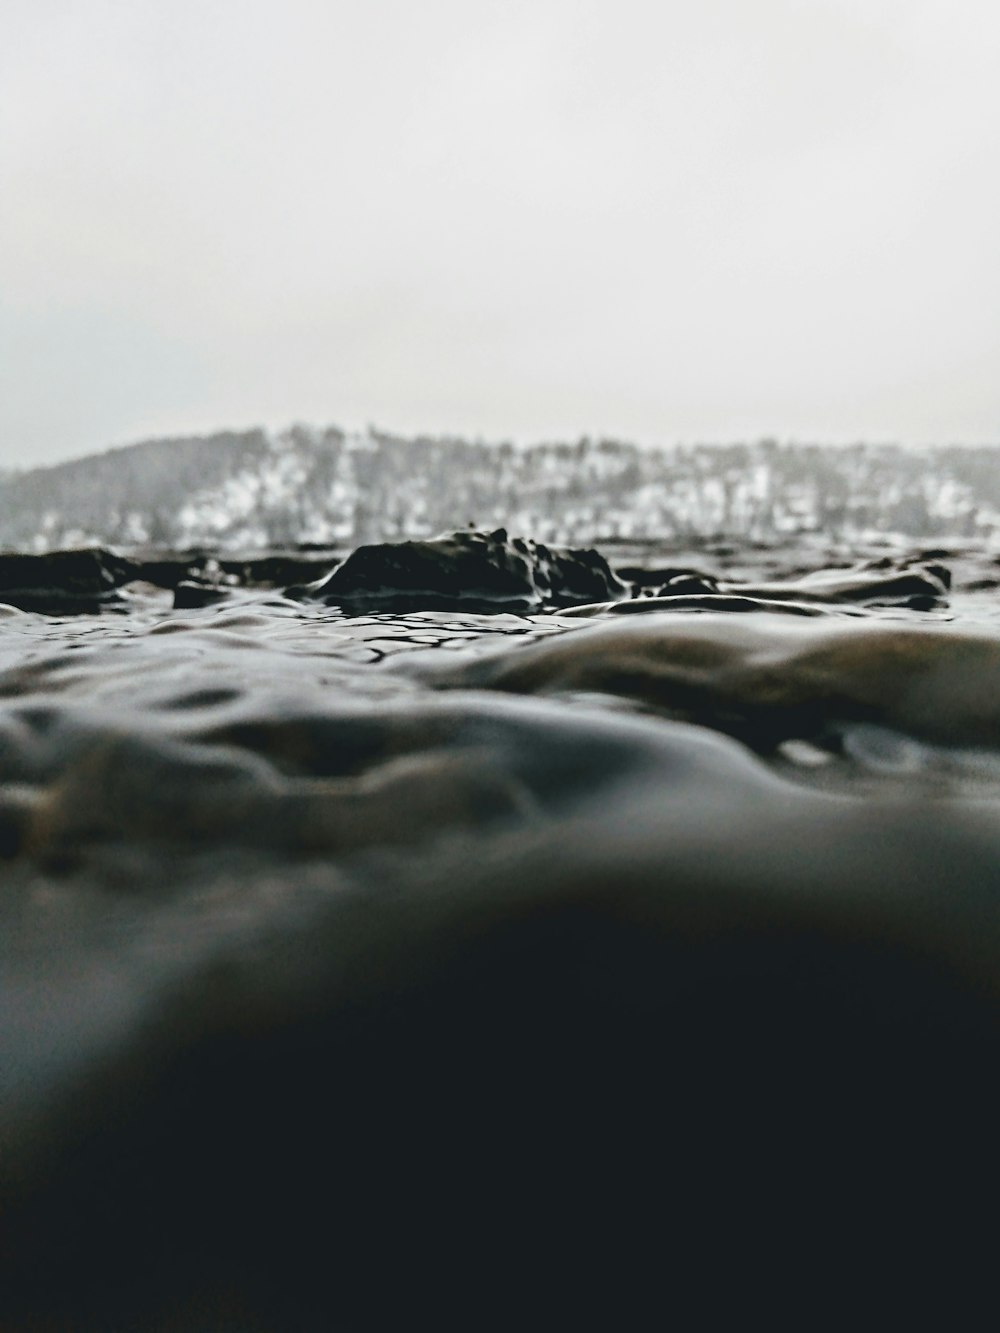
(253, 489)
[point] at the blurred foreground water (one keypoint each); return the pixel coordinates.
(631, 962)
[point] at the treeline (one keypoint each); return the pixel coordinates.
(322, 486)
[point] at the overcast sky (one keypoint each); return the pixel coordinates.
(658, 219)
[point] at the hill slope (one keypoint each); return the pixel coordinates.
(253, 489)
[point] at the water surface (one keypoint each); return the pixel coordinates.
(524, 969)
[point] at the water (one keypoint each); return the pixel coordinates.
(496, 970)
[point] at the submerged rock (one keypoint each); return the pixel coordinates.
(467, 569)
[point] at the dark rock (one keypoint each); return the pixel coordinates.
(167, 568)
(659, 576)
(255, 569)
(278, 570)
(470, 569)
(939, 571)
(189, 594)
(165, 573)
(272, 569)
(64, 582)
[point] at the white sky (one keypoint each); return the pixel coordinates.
(659, 219)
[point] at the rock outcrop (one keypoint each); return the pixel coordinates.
(64, 582)
(488, 570)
